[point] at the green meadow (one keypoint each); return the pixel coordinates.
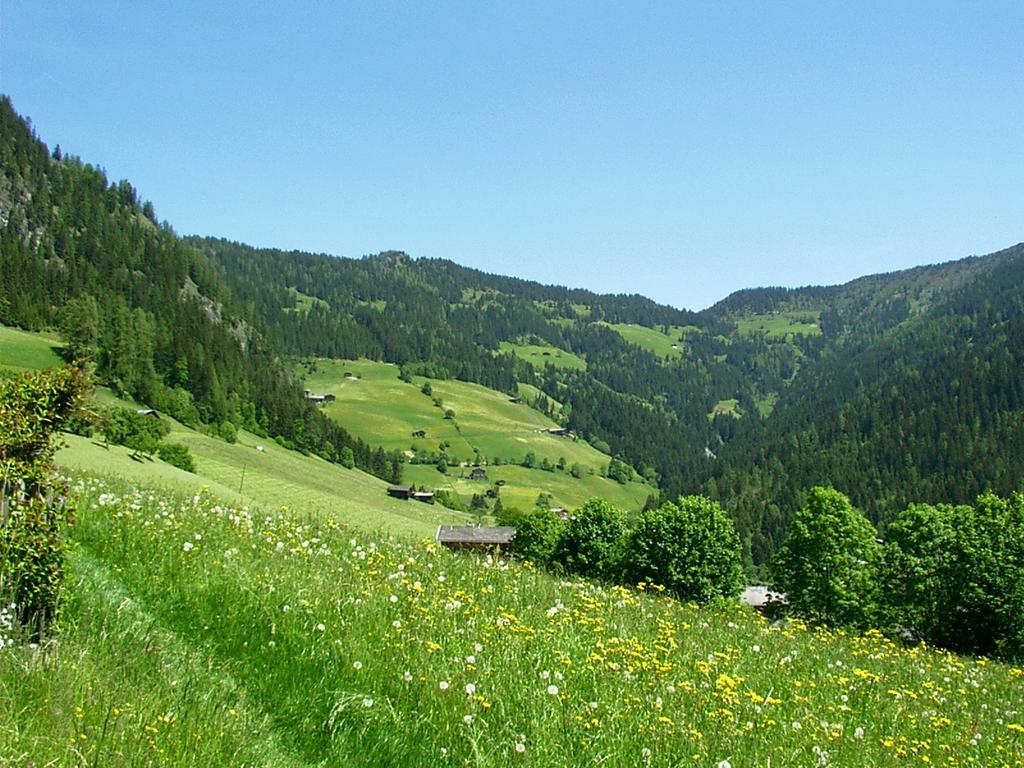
(781, 324)
(27, 351)
(653, 340)
(540, 355)
(201, 632)
(373, 403)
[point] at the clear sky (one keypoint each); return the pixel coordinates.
(681, 150)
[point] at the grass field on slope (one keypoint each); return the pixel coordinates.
(383, 410)
(781, 324)
(27, 351)
(652, 339)
(202, 633)
(540, 355)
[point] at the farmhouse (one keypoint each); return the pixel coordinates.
(478, 473)
(400, 491)
(474, 536)
(424, 496)
(560, 432)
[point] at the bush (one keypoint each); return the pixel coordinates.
(138, 431)
(228, 432)
(592, 543)
(691, 548)
(538, 532)
(33, 514)
(954, 575)
(177, 455)
(828, 564)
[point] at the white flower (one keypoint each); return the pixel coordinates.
(393, 599)
(553, 690)
(320, 627)
(545, 675)
(858, 733)
(443, 685)
(520, 747)
(470, 689)
(645, 753)
(357, 665)
(467, 719)
(396, 624)
(756, 649)
(367, 703)
(471, 659)
(187, 546)
(407, 677)
(724, 764)
(795, 725)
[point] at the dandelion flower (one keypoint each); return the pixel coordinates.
(724, 764)
(187, 546)
(470, 689)
(320, 627)
(467, 719)
(367, 703)
(553, 690)
(858, 733)
(407, 677)
(520, 747)
(357, 665)
(443, 685)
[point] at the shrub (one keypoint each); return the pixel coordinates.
(828, 564)
(228, 432)
(690, 547)
(592, 543)
(177, 455)
(538, 532)
(33, 514)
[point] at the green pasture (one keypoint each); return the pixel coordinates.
(271, 478)
(383, 410)
(27, 351)
(652, 339)
(540, 355)
(304, 302)
(781, 324)
(522, 485)
(730, 407)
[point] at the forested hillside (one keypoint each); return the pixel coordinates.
(892, 388)
(85, 255)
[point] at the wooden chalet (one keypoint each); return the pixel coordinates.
(478, 473)
(478, 537)
(560, 432)
(400, 491)
(424, 496)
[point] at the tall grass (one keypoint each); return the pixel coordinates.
(280, 639)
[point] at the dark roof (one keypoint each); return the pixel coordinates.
(475, 534)
(399, 489)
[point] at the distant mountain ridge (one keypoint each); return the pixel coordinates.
(893, 388)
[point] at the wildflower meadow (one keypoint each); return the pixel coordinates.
(200, 633)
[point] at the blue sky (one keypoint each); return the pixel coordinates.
(678, 150)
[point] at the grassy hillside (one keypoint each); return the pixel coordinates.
(652, 339)
(540, 355)
(781, 324)
(373, 403)
(202, 633)
(25, 351)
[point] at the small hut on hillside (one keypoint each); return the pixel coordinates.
(475, 536)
